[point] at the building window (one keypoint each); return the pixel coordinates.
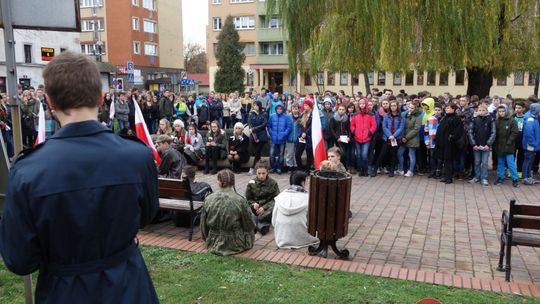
(381, 79)
(501, 82)
(532, 78)
(420, 78)
(320, 78)
(370, 78)
(149, 26)
(216, 1)
(355, 80)
(244, 22)
(150, 49)
(92, 25)
(27, 53)
(135, 22)
(331, 78)
(249, 49)
(343, 78)
(136, 47)
(91, 3)
(274, 22)
(307, 79)
(443, 79)
(149, 4)
(88, 49)
(135, 2)
(216, 21)
(431, 76)
(397, 79)
(519, 78)
(241, 1)
(460, 77)
(272, 48)
(409, 78)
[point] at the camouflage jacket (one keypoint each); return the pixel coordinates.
(263, 193)
(227, 224)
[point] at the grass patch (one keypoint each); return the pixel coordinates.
(185, 277)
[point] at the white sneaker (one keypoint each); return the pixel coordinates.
(399, 172)
(251, 171)
(485, 183)
(474, 180)
(409, 174)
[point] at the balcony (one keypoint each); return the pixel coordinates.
(272, 59)
(271, 34)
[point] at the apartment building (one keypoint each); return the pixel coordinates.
(266, 63)
(145, 32)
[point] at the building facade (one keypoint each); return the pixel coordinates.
(33, 50)
(266, 63)
(145, 32)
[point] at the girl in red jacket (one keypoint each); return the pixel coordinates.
(363, 126)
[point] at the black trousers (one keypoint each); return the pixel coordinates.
(257, 151)
(212, 155)
(388, 156)
(300, 147)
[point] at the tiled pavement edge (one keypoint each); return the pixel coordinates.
(303, 260)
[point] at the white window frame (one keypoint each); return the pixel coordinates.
(88, 48)
(135, 25)
(216, 1)
(148, 22)
(149, 5)
(272, 49)
(89, 25)
(90, 3)
(274, 22)
(241, 1)
(216, 26)
(136, 47)
(244, 22)
(148, 49)
(249, 49)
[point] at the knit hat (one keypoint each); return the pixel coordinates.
(309, 102)
(178, 122)
(239, 125)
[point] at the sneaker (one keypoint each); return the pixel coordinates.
(515, 183)
(484, 182)
(278, 171)
(474, 180)
(399, 172)
(251, 171)
(499, 182)
(391, 174)
(385, 171)
(409, 174)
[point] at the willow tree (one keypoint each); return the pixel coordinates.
(489, 38)
(230, 76)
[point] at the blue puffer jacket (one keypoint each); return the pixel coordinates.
(531, 128)
(257, 123)
(399, 126)
(279, 126)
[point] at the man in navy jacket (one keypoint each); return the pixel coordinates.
(75, 203)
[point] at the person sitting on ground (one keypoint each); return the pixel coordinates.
(227, 225)
(260, 194)
(238, 148)
(172, 161)
(164, 127)
(194, 148)
(216, 147)
(334, 156)
(289, 216)
(178, 135)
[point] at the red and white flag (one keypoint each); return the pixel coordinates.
(319, 151)
(42, 135)
(143, 134)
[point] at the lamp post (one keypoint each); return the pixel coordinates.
(97, 50)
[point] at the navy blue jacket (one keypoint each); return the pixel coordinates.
(73, 208)
(279, 126)
(257, 123)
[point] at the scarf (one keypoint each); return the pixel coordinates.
(340, 118)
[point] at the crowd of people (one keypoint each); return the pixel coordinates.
(444, 137)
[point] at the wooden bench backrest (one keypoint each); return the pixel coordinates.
(524, 216)
(174, 188)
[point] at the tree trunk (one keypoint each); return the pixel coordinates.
(366, 83)
(480, 82)
(536, 81)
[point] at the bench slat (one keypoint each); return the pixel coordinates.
(178, 205)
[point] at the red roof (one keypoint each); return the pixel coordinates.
(203, 79)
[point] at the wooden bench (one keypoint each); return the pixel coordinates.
(526, 218)
(175, 195)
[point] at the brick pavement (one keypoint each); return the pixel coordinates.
(446, 234)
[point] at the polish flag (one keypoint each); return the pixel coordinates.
(142, 132)
(319, 151)
(41, 136)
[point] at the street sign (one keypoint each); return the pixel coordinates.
(130, 66)
(131, 72)
(187, 82)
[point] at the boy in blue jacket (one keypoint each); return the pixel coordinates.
(531, 142)
(279, 127)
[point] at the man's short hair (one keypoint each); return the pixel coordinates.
(73, 81)
(297, 177)
(164, 138)
(190, 171)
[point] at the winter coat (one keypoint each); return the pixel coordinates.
(306, 129)
(241, 146)
(279, 126)
(295, 129)
(430, 103)
(289, 219)
(482, 131)
(216, 109)
(507, 132)
(257, 123)
(165, 107)
(450, 137)
(531, 128)
(413, 122)
(204, 114)
(172, 163)
(150, 111)
(226, 223)
(363, 126)
(430, 131)
(399, 126)
(121, 110)
(220, 140)
(263, 193)
(77, 223)
(326, 120)
(340, 128)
